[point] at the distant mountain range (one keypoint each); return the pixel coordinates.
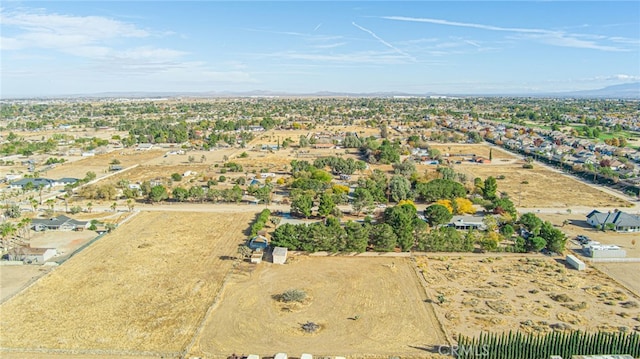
(623, 91)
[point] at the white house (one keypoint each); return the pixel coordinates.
(618, 221)
(32, 255)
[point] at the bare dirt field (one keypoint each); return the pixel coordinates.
(142, 289)
(528, 294)
(99, 164)
(364, 306)
(625, 273)
(63, 241)
(541, 187)
(14, 278)
(456, 151)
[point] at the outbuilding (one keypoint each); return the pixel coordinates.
(279, 255)
(32, 255)
(605, 251)
(575, 263)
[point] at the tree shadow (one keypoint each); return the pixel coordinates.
(435, 349)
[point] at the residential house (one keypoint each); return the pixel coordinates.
(60, 223)
(35, 183)
(31, 255)
(467, 222)
(618, 220)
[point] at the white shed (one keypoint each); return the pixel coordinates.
(575, 263)
(280, 356)
(279, 255)
(605, 251)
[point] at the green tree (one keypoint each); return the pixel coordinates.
(536, 244)
(490, 188)
(180, 194)
(382, 238)
(399, 188)
(326, 205)
(12, 211)
(362, 199)
(196, 193)
(7, 229)
(301, 205)
(158, 193)
(531, 223)
(403, 220)
(90, 176)
(176, 177)
(357, 237)
(440, 189)
(437, 214)
(405, 168)
(556, 240)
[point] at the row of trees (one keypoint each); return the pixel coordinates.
(535, 346)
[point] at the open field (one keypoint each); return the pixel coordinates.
(528, 294)
(385, 293)
(543, 187)
(77, 167)
(14, 278)
(625, 273)
(458, 151)
(142, 289)
(65, 242)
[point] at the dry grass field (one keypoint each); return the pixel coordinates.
(77, 167)
(365, 307)
(528, 294)
(539, 187)
(144, 288)
(14, 278)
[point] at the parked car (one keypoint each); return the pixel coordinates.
(583, 239)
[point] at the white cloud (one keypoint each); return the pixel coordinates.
(40, 29)
(329, 46)
(382, 41)
(550, 37)
(363, 57)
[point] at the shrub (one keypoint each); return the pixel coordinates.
(292, 295)
(527, 166)
(176, 177)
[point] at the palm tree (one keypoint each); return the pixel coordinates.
(130, 204)
(66, 202)
(7, 229)
(51, 203)
(40, 188)
(26, 225)
(34, 203)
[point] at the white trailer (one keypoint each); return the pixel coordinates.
(279, 255)
(575, 263)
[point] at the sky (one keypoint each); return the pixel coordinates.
(57, 48)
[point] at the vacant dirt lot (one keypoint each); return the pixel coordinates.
(541, 187)
(625, 273)
(143, 288)
(529, 294)
(364, 306)
(14, 278)
(78, 167)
